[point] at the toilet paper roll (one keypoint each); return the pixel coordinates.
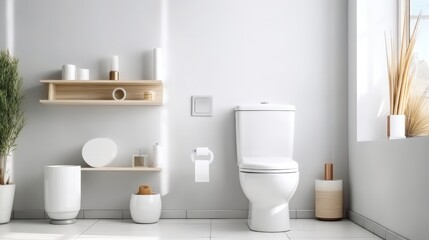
(329, 199)
(203, 151)
(156, 156)
(202, 171)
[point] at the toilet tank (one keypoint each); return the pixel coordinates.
(264, 131)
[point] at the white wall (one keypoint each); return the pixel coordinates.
(240, 52)
(86, 33)
(372, 85)
(3, 25)
(387, 178)
(6, 25)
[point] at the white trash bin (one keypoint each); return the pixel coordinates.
(62, 193)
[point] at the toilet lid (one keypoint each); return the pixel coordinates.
(265, 107)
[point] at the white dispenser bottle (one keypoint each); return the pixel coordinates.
(156, 155)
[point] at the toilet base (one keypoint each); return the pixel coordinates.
(265, 219)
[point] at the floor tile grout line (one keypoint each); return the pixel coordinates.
(86, 230)
(211, 227)
(287, 237)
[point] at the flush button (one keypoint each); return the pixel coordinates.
(202, 106)
(264, 102)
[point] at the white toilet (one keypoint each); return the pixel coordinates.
(268, 174)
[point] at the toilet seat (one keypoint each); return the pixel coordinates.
(267, 171)
(269, 165)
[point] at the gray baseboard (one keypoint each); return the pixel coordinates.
(28, 214)
(374, 227)
(165, 214)
(216, 214)
(103, 214)
(305, 214)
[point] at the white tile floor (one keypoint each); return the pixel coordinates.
(179, 229)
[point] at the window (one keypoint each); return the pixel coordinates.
(421, 49)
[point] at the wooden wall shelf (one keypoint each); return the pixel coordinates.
(121, 169)
(99, 92)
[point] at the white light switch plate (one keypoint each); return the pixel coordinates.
(202, 106)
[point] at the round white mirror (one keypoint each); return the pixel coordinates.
(99, 152)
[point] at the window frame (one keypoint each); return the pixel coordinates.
(404, 19)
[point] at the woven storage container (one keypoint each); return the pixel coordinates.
(329, 199)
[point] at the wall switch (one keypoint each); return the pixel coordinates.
(202, 106)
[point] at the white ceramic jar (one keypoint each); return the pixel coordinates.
(145, 208)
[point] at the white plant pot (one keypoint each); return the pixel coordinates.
(145, 208)
(62, 193)
(7, 193)
(396, 124)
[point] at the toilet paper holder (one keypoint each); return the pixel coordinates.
(202, 151)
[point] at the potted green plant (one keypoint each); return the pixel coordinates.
(11, 123)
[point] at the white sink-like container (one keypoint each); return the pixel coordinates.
(62, 193)
(145, 208)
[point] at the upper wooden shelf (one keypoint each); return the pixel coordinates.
(99, 92)
(105, 82)
(121, 169)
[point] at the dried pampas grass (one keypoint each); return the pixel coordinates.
(417, 116)
(398, 65)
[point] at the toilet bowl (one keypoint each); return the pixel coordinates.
(269, 195)
(268, 174)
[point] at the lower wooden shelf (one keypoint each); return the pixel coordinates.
(121, 169)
